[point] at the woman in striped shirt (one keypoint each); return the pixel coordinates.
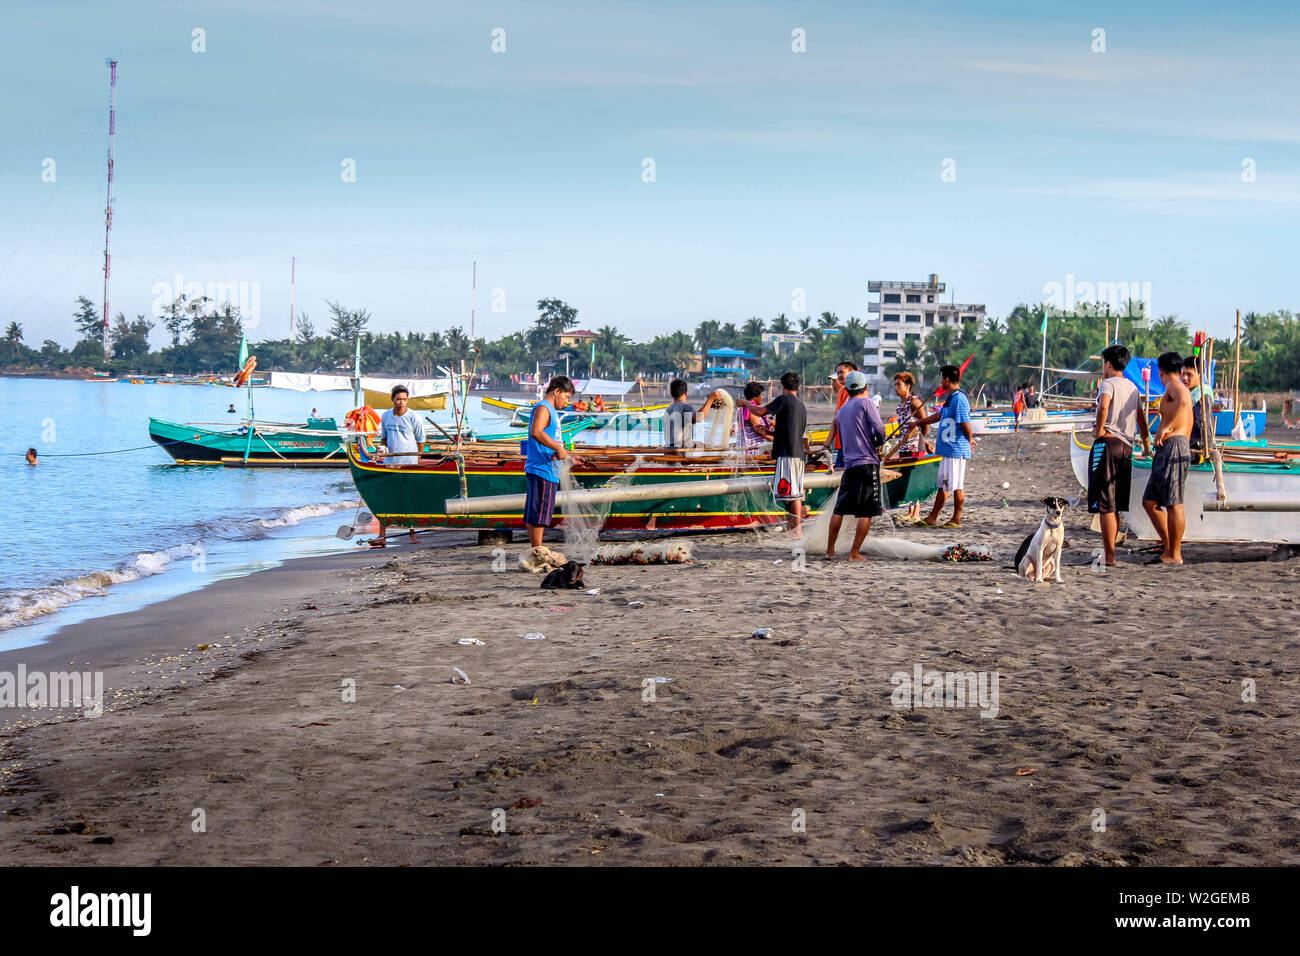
(909, 408)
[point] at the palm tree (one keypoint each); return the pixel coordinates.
(457, 343)
(938, 345)
(1257, 330)
(828, 320)
(706, 336)
(781, 324)
(14, 336)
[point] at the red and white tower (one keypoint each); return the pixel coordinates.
(108, 214)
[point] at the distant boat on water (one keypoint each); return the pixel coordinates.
(318, 443)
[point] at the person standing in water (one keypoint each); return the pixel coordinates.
(31, 457)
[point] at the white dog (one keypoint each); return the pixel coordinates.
(1041, 551)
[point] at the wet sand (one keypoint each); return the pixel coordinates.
(1121, 690)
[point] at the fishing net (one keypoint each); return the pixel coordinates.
(644, 552)
(583, 520)
(719, 422)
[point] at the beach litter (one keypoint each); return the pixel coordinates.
(458, 676)
(593, 590)
(533, 636)
(470, 642)
(1025, 771)
(763, 633)
(636, 603)
(524, 803)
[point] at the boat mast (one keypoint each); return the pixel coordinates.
(108, 214)
(293, 262)
(473, 302)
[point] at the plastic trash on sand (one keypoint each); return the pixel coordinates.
(458, 676)
(593, 590)
(533, 636)
(470, 642)
(636, 603)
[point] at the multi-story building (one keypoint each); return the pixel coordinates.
(908, 311)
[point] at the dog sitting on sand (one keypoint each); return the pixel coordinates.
(1041, 551)
(542, 559)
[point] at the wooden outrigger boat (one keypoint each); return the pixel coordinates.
(316, 444)
(1261, 484)
(417, 495)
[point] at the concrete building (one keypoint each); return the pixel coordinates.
(578, 337)
(908, 311)
(731, 364)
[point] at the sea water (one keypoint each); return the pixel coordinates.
(107, 521)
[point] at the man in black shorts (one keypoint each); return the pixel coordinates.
(1110, 465)
(1163, 498)
(861, 430)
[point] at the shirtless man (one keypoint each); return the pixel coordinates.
(1173, 457)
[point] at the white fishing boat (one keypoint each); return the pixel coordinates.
(1259, 500)
(1032, 420)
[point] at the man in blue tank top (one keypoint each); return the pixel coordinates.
(544, 449)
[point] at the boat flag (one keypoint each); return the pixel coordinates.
(243, 348)
(1044, 328)
(593, 358)
(962, 368)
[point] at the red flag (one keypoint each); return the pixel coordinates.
(938, 392)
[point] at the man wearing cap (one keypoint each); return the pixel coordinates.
(861, 431)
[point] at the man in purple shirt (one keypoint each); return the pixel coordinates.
(861, 430)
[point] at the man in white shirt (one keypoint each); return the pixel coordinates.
(1120, 416)
(402, 433)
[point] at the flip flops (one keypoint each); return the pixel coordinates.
(951, 524)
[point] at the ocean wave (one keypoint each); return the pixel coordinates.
(25, 605)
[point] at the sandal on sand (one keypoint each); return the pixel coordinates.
(951, 524)
(378, 544)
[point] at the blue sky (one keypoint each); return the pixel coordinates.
(774, 170)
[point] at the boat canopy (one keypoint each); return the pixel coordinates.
(300, 382)
(1133, 372)
(603, 386)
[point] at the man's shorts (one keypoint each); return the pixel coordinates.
(787, 481)
(860, 492)
(1110, 476)
(1169, 472)
(539, 508)
(952, 474)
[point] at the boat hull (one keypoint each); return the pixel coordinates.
(1253, 422)
(193, 445)
(1204, 523)
(415, 495)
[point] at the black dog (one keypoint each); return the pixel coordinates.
(568, 577)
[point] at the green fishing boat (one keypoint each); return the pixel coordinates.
(417, 495)
(317, 443)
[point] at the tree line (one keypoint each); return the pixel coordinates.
(204, 337)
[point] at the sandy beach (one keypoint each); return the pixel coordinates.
(1121, 702)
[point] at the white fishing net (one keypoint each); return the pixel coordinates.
(720, 420)
(583, 520)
